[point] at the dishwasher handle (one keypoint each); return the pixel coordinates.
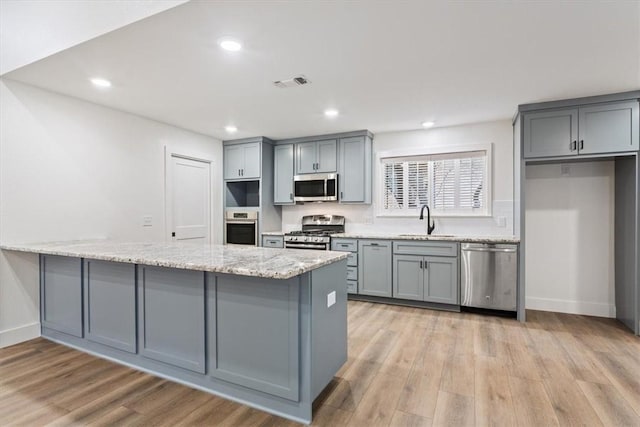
(489, 250)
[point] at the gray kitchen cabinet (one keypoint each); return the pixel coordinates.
(242, 161)
(61, 294)
(283, 175)
(441, 280)
(591, 129)
(551, 133)
(374, 267)
(608, 128)
(110, 304)
(273, 241)
(351, 246)
(426, 271)
(408, 277)
(171, 310)
(354, 170)
(242, 312)
(316, 156)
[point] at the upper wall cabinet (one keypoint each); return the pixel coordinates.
(242, 161)
(591, 129)
(354, 170)
(283, 174)
(316, 156)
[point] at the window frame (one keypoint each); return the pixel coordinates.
(429, 151)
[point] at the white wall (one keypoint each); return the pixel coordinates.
(570, 238)
(73, 170)
(363, 217)
(32, 30)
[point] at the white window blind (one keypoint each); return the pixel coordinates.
(450, 183)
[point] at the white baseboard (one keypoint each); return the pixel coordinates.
(573, 307)
(19, 334)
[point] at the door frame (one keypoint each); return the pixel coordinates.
(169, 153)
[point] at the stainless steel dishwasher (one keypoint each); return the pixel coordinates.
(489, 276)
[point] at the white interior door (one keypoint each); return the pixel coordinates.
(190, 199)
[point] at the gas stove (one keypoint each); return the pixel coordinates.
(316, 232)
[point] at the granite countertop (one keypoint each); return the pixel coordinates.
(232, 259)
(432, 237)
(273, 233)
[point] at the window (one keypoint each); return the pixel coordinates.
(450, 183)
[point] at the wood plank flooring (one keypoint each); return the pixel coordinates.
(406, 367)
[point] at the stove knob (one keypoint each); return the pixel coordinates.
(317, 239)
(294, 238)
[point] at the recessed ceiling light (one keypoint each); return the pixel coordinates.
(100, 82)
(331, 112)
(232, 45)
(231, 129)
(428, 124)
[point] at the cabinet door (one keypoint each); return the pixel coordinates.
(233, 161)
(374, 267)
(551, 133)
(171, 310)
(283, 175)
(110, 304)
(326, 157)
(441, 280)
(251, 164)
(306, 157)
(61, 294)
(352, 171)
(408, 277)
(608, 128)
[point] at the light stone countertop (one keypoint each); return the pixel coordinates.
(231, 259)
(416, 236)
(424, 237)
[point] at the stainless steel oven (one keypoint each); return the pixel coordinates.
(317, 187)
(241, 228)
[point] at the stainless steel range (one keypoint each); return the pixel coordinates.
(316, 232)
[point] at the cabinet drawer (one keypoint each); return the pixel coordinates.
(425, 248)
(273, 241)
(352, 273)
(344, 245)
(352, 286)
(352, 260)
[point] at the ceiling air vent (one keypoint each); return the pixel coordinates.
(292, 82)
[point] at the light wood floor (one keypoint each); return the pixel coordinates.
(406, 367)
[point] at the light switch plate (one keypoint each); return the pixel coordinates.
(147, 221)
(331, 298)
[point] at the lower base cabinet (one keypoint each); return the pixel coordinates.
(61, 294)
(374, 267)
(426, 278)
(172, 316)
(110, 304)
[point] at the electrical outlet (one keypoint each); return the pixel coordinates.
(331, 298)
(147, 221)
(501, 221)
(565, 170)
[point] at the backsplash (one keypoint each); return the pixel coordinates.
(362, 218)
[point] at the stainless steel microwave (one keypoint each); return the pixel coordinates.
(317, 187)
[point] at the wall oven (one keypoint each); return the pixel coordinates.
(241, 228)
(317, 187)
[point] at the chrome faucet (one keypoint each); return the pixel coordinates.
(430, 226)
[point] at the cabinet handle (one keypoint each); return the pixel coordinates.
(341, 195)
(573, 145)
(582, 144)
(291, 196)
(242, 172)
(420, 265)
(344, 245)
(374, 244)
(239, 172)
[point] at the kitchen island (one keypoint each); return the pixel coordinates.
(264, 327)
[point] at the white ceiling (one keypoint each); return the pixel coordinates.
(386, 65)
